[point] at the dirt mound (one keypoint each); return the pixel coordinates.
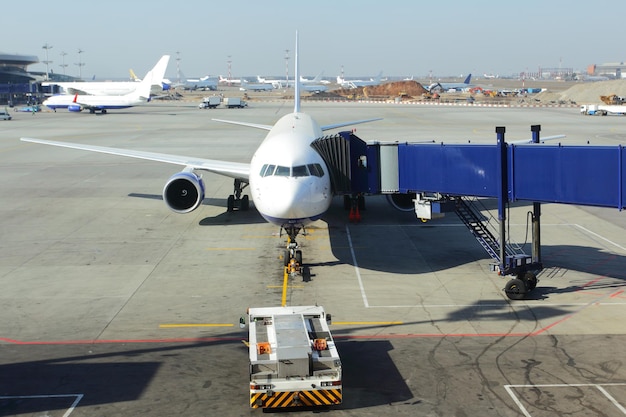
(585, 93)
(405, 89)
(395, 89)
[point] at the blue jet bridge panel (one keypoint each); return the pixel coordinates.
(584, 175)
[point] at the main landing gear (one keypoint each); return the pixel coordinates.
(235, 200)
(293, 255)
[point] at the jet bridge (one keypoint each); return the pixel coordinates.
(440, 177)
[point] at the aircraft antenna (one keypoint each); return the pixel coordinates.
(296, 80)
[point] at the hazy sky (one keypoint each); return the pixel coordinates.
(399, 37)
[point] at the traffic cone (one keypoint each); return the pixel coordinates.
(357, 215)
(351, 216)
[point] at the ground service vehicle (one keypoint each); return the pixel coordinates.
(231, 102)
(602, 109)
(293, 358)
(5, 115)
(210, 102)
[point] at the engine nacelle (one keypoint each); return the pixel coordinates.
(74, 107)
(183, 192)
(402, 202)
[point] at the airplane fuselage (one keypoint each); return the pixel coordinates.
(289, 181)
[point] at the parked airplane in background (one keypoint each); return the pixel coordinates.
(314, 88)
(204, 83)
(102, 103)
(317, 80)
(229, 81)
(443, 87)
(116, 87)
(359, 83)
(246, 86)
(289, 180)
(276, 83)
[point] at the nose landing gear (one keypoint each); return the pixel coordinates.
(293, 255)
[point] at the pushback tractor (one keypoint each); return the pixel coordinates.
(293, 359)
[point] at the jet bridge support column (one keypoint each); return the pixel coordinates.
(502, 195)
(536, 243)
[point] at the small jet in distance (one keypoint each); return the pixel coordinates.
(443, 87)
(359, 83)
(247, 86)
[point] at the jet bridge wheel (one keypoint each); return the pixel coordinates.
(530, 279)
(515, 289)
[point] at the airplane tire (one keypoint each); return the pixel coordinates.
(230, 203)
(245, 203)
(299, 257)
(286, 256)
(515, 289)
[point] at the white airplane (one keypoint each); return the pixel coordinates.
(246, 86)
(276, 83)
(204, 83)
(317, 80)
(359, 83)
(289, 181)
(116, 87)
(229, 81)
(451, 86)
(102, 103)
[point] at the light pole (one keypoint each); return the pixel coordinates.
(286, 68)
(80, 64)
(229, 62)
(46, 47)
(63, 64)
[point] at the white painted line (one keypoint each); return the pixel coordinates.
(516, 400)
(599, 387)
(356, 269)
(600, 237)
(33, 397)
(613, 400)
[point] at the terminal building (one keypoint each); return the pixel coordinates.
(18, 85)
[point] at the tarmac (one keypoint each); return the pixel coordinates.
(114, 305)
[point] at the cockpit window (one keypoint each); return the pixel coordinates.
(267, 170)
(300, 171)
(282, 171)
(316, 170)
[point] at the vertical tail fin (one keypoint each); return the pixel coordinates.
(296, 108)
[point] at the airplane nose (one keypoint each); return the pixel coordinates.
(291, 200)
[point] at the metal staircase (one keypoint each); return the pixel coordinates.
(479, 226)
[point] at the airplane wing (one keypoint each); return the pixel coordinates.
(355, 122)
(235, 170)
(325, 127)
(255, 125)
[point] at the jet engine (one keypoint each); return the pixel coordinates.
(74, 107)
(183, 192)
(402, 202)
